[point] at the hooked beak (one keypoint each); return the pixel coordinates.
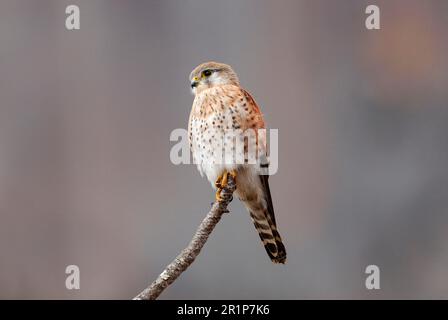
(194, 82)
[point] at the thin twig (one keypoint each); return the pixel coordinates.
(189, 254)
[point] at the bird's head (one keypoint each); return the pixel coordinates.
(210, 74)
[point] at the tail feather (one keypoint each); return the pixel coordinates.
(264, 220)
(269, 235)
(253, 190)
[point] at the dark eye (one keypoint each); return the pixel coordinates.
(207, 73)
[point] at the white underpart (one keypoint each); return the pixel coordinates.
(218, 155)
(207, 143)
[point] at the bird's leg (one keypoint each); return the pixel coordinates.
(218, 185)
(218, 181)
(225, 178)
(222, 182)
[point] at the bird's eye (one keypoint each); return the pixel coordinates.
(207, 73)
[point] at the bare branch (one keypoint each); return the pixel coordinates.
(189, 254)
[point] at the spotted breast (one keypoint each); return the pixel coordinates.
(218, 122)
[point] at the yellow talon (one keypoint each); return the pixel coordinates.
(218, 195)
(224, 179)
(218, 181)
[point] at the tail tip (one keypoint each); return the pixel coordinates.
(279, 260)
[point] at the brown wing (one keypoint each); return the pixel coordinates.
(262, 212)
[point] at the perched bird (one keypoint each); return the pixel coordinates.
(221, 106)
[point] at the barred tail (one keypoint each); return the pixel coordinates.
(267, 230)
(262, 214)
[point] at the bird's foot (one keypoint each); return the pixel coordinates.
(219, 198)
(218, 195)
(225, 178)
(222, 183)
(219, 181)
(218, 185)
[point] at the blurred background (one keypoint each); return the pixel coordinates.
(85, 173)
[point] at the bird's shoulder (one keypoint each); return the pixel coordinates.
(222, 98)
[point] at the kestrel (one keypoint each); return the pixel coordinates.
(221, 106)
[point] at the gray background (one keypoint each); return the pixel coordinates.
(85, 175)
